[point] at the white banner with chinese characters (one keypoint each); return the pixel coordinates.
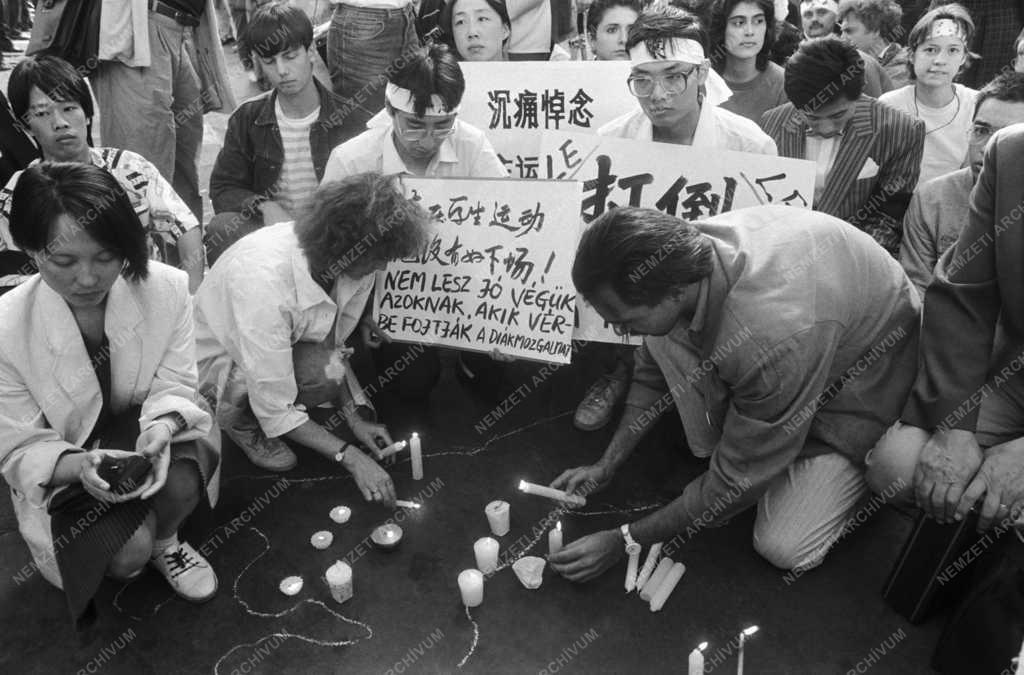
(495, 272)
(512, 101)
(691, 183)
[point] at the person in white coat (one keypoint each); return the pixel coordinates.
(97, 366)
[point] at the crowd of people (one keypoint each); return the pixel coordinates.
(847, 343)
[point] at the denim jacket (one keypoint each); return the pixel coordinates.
(249, 164)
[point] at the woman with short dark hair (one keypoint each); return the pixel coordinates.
(478, 30)
(98, 379)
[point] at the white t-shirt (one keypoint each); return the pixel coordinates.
(945, 141)
(298, 177)
(821, 151)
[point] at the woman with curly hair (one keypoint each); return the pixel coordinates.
(742, 37)
(273, 316)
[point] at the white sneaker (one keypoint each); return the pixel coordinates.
(187, 572)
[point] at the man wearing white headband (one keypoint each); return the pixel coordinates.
(678, 93)
(277, 143)
(419, 133)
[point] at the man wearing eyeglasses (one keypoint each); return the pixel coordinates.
(276, 144)
(678, 93)
(940, 207)
(868, 154)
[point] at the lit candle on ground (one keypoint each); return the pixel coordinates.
(555, 539)
(486, 551)
(498, 517)
(416, 454)
(471, 586)
(668, 585)
(697, 660)
(341, 514)
(406, 504)
(655, 580)
(551, 493)
(386, 537)
(339, 578)
(392, 449)
(291, 585)
(744, 634)
(321, 539)
(634, 560)
(649, 563)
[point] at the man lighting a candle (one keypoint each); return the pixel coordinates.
(787, 341)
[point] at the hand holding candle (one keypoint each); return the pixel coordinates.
(551, 493)
(392, 449)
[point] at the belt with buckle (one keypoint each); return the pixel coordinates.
(183, 18)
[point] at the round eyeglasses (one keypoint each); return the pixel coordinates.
(642, 86)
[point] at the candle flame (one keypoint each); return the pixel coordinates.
(751, 630)
(522, 485)
(702, 646)
(558, 526)
(415, 435)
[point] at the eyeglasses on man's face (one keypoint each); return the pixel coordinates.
(439, 130)
(642, 86)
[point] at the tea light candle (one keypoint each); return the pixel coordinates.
(555, 539)
(291, 585)
(486, 551)
(697, 660)
(649, 563)
(321, 540)
(387, 537)
(471, 587)
(659, 575)
(341, 514)
(416, 454)
(668, 585)
(551, 493)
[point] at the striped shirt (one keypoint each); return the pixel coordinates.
(298, 177)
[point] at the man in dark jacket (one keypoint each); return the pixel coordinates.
(277, 143)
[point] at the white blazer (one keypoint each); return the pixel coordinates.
(50, 397)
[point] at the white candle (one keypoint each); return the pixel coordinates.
(744, 634)
(339, 579)
(697, 660)
(668, 584)
(551, 493)
(655, 580)
(321, 539)
(486, 551)
(634, 559)
(471, 586)
(497, 513)
(416, 454)
(392, 449)
(341, 514)
(555, 539)
(405, 504)
(649, 563)
(291, 585)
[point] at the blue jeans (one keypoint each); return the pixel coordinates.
(364, 43)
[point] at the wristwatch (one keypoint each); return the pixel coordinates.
(340, 457)
(632, 547)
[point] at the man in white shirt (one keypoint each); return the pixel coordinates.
(273, 315)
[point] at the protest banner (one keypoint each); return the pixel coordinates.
(680, 180)
(513, 101)
(495, 271)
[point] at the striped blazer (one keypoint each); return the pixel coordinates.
(876, 166)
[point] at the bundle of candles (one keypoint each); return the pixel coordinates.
(654, 584)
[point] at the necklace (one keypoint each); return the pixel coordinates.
(956, 113)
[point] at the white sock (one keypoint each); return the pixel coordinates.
(161, 545)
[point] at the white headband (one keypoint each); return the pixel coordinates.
(830, 5)
(674, 49)
(402, 99)
(947, 28)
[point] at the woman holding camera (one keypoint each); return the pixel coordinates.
(103, 440)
